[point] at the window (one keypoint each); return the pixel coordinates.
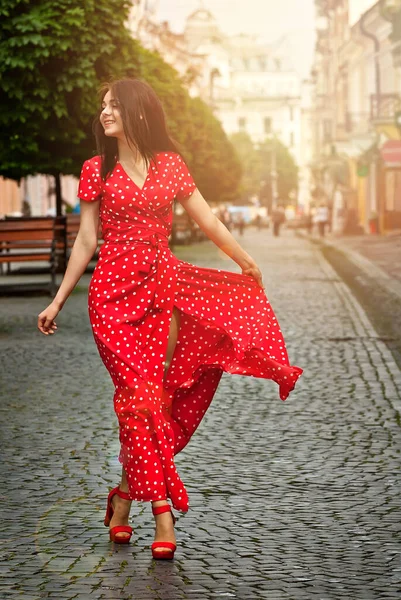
(241, 123)
(327, 131)
(268, 125)
(291, 113)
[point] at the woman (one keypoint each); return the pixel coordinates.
(165, 329)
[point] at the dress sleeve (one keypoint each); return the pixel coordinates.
(90, 188)
(186, 184)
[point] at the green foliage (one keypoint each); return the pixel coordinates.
(53, 57)
(216, 166)
(257, 167)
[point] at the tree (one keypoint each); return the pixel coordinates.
(257, 168)
(252, 166)
(216, 165)
(53, 56)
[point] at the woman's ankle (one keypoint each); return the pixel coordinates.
(156, 503)
(123, 487)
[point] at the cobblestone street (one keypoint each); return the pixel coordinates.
(289, 500)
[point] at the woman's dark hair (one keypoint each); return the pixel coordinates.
(143, 120)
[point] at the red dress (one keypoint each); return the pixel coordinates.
(227, 324)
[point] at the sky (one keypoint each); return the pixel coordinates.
(357, 7)
(270, 19)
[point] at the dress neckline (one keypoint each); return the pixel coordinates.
(140, 188)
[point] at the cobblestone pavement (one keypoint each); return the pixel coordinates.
(289, 500)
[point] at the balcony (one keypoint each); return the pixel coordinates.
(384, 107)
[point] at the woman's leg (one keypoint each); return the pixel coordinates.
(121, 507)
(172, 337)
(164, 521)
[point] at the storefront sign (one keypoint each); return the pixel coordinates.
(391, 153)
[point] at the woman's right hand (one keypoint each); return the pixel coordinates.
(46, 323)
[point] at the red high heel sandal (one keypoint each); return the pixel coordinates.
(156, 546)
(114, 531)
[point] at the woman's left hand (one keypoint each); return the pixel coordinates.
(254, 271)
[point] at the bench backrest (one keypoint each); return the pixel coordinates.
(32, 229)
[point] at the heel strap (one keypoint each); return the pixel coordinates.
(158, 510)
(118, 492)
(122, 494)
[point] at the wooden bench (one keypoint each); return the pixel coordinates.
(34, 239)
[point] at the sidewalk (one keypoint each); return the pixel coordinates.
(378, 256)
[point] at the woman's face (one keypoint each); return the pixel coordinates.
(110, 117)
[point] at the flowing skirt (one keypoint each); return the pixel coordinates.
(227, 325)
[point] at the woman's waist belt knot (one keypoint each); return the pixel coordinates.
(164, 272)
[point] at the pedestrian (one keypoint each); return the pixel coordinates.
(278, 218)
(225, 217)
(241, 224)
(165, 329)
(309, 222)
(321, 218)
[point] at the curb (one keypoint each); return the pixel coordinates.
(364, 264)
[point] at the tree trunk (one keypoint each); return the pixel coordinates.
(59, 200)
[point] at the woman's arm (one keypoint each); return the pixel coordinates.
(197, 208)
(82, 251)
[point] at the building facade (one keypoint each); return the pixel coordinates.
(357, 84)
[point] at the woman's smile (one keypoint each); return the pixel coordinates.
(110, 116)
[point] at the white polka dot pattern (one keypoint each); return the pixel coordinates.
(227, 324)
